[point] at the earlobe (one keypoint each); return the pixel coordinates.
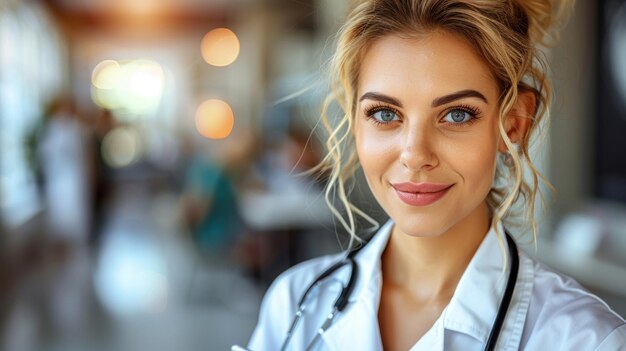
(519, 118)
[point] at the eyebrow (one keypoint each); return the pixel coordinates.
(437, 102)
(456, 96)
(380, 97)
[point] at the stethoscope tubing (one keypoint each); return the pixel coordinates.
(342, 300)
(506, 297)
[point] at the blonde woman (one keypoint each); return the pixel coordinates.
(440, 100)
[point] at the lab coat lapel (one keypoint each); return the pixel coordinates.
(357, 329)
(357, 326)
(475, 303)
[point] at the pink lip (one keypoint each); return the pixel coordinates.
(421, 194)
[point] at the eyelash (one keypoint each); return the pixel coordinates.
(370, 111)
(472, 110)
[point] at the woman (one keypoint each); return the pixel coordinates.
(441, 99)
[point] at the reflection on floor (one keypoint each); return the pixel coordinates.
(142, 290)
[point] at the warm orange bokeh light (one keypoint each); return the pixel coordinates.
(214, 119)
(220, 47)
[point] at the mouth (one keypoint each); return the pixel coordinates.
(421, 194)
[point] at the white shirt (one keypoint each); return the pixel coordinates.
(548, 311)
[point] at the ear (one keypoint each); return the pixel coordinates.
(518, 120)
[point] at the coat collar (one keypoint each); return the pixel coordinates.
(471, 310)
(477, 298)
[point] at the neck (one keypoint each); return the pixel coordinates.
(431, 267)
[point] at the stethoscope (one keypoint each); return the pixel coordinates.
(342, 300)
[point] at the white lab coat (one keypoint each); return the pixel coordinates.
(548, 311)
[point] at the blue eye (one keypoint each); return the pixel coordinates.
(458, 116)
(385, 116)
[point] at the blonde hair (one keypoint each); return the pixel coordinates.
(508, 34)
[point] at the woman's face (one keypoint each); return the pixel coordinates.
(426, 130)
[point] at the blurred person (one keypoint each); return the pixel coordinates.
(440, 101)
(61, 153)
(63, 299)
(101, 174)
(302, 151)
(279, 203)
(209, 205)
(284, 160)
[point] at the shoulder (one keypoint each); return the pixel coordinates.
(559, 295)
(293, 282)
(567, 314)
(280, 302)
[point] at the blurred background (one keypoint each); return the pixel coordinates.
(150, 151)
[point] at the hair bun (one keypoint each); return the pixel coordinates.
(545, 18)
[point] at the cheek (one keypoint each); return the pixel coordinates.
(478, 161)
(375, 151)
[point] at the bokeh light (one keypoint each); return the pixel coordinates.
(106, 75)
(134, 86)
(215, 119)
(220, 47)
(145, 79)
(121, 147)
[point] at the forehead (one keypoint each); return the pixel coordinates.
(424, 67)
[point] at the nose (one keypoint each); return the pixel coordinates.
(418, 151)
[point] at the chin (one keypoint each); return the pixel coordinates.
(422, 227)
